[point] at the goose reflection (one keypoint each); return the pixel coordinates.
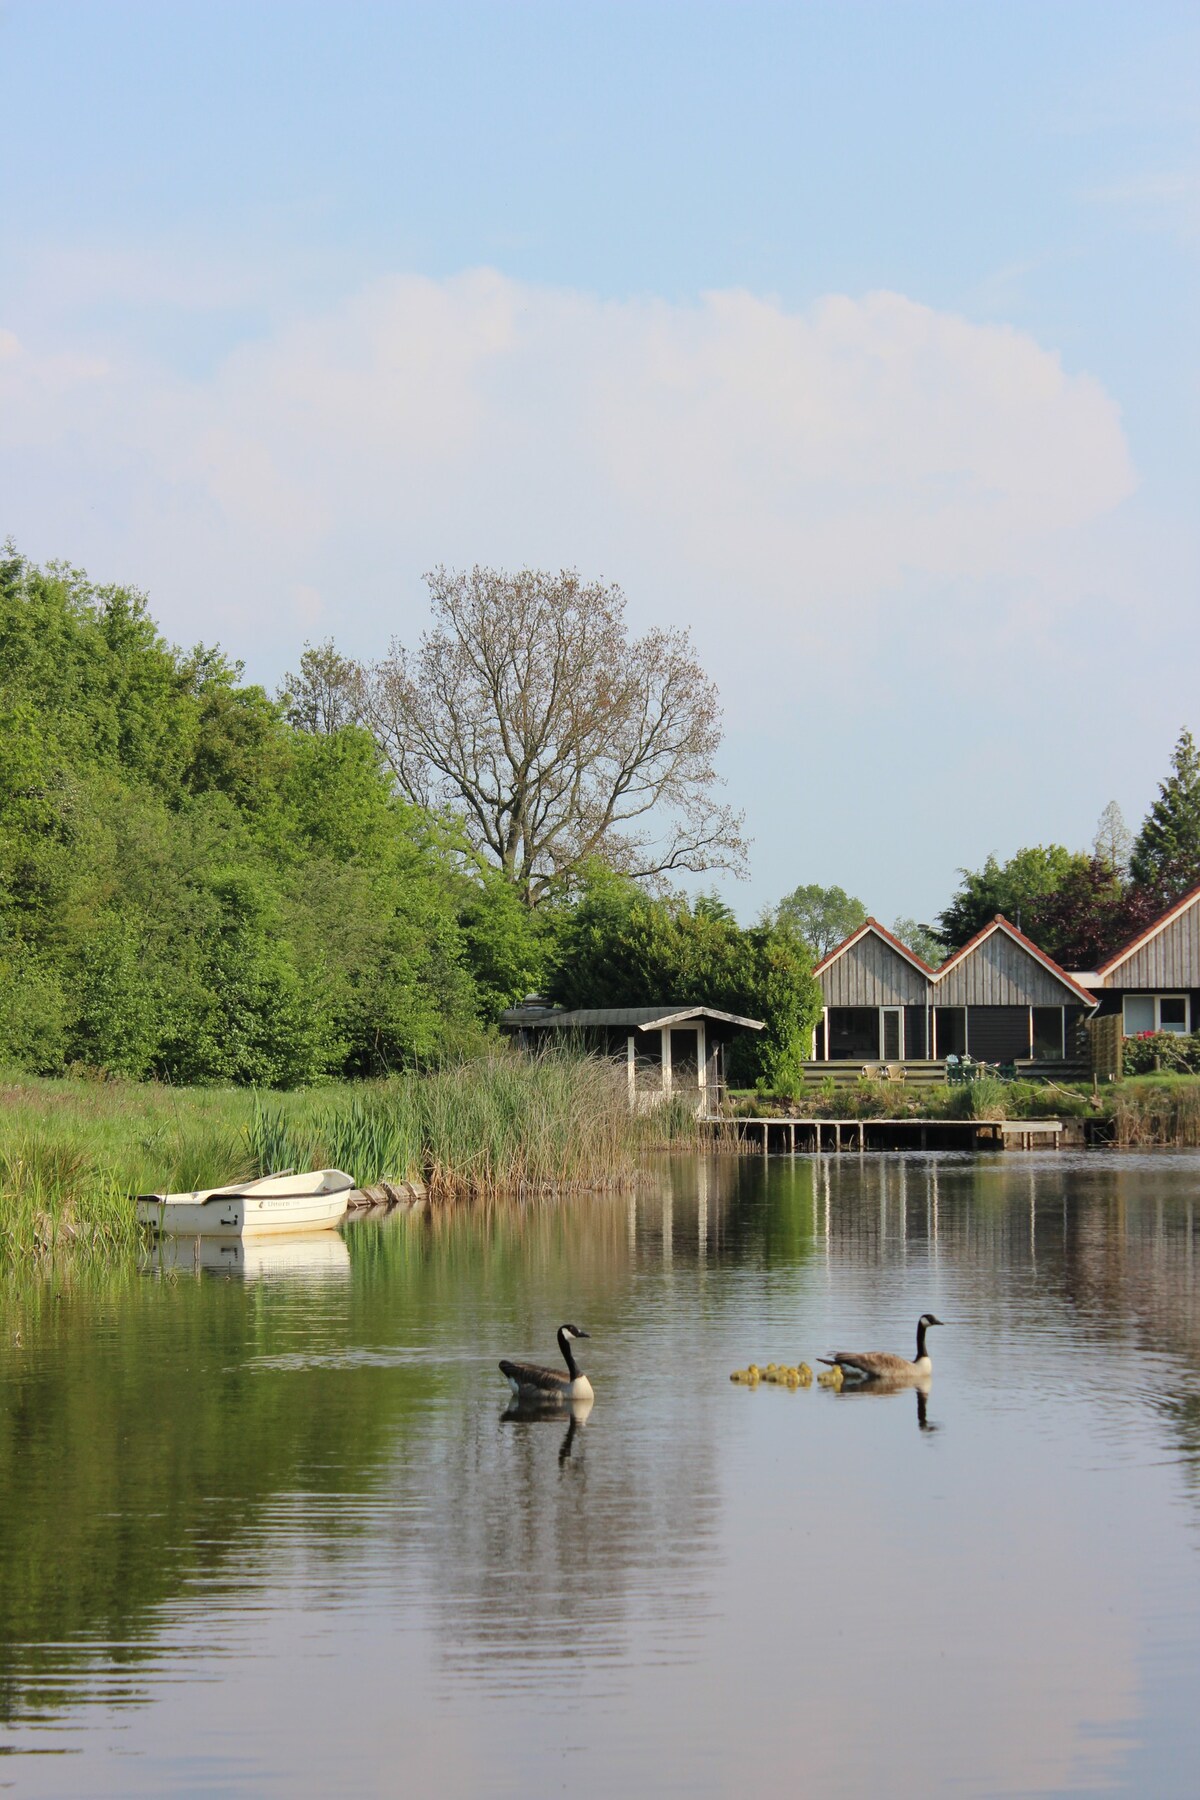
(863, 1390)
(575, 1412)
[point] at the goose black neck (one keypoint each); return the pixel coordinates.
(920, 1339)
(564, 1344)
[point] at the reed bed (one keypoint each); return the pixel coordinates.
(502, 1124)
(1156, 1113)
(73, 1152)
(54, 1204)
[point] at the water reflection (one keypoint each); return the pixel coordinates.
(301, 1256)
(206, 1478)
(573, 1412)
(920, 1387)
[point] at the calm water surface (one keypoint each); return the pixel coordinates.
(265, 1530)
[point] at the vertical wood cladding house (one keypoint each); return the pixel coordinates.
(1154, 982)
(998, 999)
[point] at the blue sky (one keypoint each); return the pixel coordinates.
(859, 338)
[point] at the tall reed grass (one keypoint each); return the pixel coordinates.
(1151, 1113)
(72, 1153)
(502, 1124)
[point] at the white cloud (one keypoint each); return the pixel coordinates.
(728, 450)
(871, 512)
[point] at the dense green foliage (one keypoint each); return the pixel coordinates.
(205, 885)
(1082, 909)
(1013, 888)
(1161, 1050)
(193, 887)
(618, 946)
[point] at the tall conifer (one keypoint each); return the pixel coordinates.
(1166, 854)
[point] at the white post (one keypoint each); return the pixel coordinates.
(665, 1035)
(631, 1069)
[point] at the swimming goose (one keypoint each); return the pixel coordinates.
(531, 1382)
(881, 1365)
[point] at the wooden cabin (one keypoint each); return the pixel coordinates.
(1153, 984)
(998, 999)
(664, 1049)
(876, 1000)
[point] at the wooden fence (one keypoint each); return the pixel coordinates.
(1107, 1038)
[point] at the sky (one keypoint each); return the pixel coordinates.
(859, 339)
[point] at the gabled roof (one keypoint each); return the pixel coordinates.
(1000, 923)
(624, 1018)
(880, 931)
(1151, 931)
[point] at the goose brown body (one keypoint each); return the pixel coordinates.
(884, 1365)
(536, 1382)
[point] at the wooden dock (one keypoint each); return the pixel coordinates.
(790, 1137)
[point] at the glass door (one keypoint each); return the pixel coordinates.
(893, 1033)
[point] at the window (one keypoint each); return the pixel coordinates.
(950, 1030)
(1048, 1033)
(1173, 1013)
(1156, 1012)
(854, 1033)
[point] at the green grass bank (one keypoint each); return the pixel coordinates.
(73, 1152)
(1152, 1111)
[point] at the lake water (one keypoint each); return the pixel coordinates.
(265, 1530)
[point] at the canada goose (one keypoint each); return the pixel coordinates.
(881, 1365)
(532, 1382)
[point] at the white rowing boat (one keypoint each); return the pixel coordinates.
(307, 1202)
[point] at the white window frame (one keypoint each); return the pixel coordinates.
(899, 1010)
(1158, 1025)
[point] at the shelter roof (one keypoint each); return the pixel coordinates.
(625, 1018)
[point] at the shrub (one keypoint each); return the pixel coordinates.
(1162, 1050)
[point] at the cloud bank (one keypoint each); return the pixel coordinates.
(724, 457)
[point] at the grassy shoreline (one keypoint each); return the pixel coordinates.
(1152, 1111)
(72, 1152)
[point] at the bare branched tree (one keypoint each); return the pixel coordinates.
(326, 693)
(529, 708)
(1113, 840)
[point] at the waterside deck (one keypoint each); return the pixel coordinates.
(792, 1136)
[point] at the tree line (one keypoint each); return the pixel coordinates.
(203, 882)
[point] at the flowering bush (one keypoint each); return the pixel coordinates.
(1151, 1050)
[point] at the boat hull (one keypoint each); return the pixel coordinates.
(269, 1207)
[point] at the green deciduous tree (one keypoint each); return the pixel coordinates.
(919, 938)
(619, 946)
(821, 916)
(1012, 888)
